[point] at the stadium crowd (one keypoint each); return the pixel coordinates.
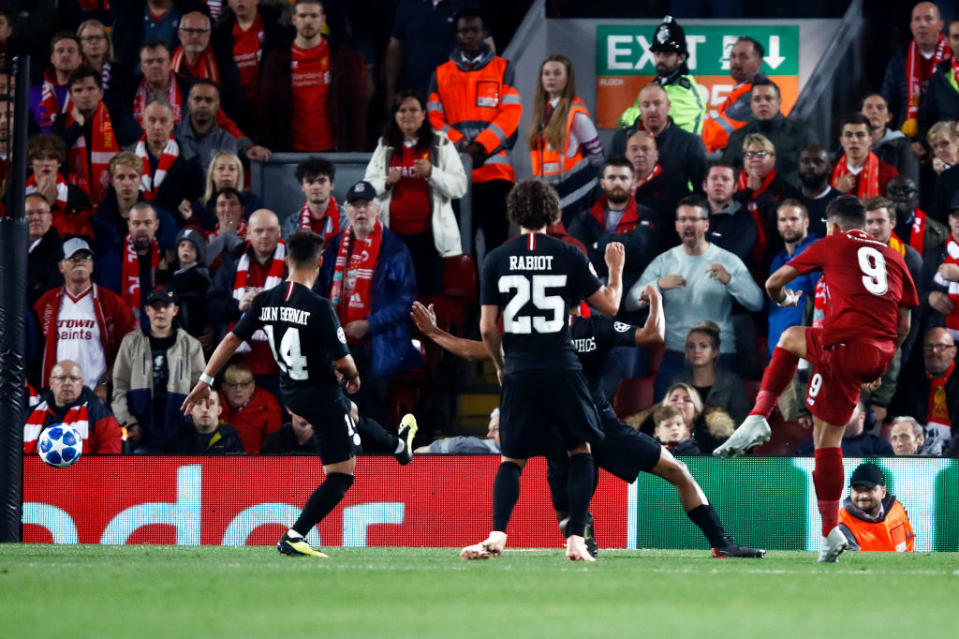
(146, 244)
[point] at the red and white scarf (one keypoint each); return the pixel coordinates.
(76, 417)
(131, 272)
(93, 174)
(353, 274)
(952, 257)
(937, 408)
(916, 84)
(655, 173)
(331, 226)
(173, 96)
(752, 208)
(149, 183)
(867, 185)
(206, 67)
(63, 191)
(917, 239)
(50, 107)
(273, 278)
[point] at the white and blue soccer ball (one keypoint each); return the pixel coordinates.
(60, 445)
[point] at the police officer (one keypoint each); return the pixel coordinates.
(688, 108)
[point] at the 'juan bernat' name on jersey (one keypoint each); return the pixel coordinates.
(593, 338)
(535, 279)
(304, 334)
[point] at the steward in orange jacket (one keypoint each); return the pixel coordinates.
(734, 113)
(473, 101)
(870, 518)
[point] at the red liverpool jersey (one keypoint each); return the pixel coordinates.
(867, 283)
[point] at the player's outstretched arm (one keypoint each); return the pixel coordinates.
(469, 349)
(492, 338)
(607, 298)
(653, 332)
(776, 286)
(348, 373)
(218, 360)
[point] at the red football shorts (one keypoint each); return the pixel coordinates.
(838, 373)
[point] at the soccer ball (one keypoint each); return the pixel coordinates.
(60, 445)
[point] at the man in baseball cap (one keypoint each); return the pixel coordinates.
(871, 518)
(687, 106)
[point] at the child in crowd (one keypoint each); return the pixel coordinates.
(672, 431)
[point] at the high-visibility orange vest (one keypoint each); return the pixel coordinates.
(892, 534)
(546, 161)
(482, 106)
(716, 131)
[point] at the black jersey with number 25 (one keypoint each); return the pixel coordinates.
(304, 334)
(535, 279)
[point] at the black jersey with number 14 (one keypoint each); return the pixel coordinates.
(304, 334)
(535, 279)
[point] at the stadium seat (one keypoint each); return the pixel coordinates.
(633, 395)
(885, 430)
(656, 358)
(786, 437)
(459, 277)
(459, 289)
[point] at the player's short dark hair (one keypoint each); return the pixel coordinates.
(618, 160)
(758, 49)
(854, 118)
(789, 201)
(313, 167)
(303, 247)
(710, 329)
(83, 72)
(63, 35)
(532, 204)
(847, 211)
(766, 82)
(695, 200)
(881, 202)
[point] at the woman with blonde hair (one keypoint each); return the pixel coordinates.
(225, 170)
(709, 427)
(563, 142)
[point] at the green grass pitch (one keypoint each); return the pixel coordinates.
(166, 591)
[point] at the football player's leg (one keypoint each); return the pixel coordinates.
(781, 369)
(698, 508)
(339, 479)
(580, 486)
(506, 488)
(828, 474)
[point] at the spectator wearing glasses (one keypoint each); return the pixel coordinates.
(45, 248)
(70, 402)
(944, 142)
(81, 321)
(931, 395)
(253, 411)
(787, 135)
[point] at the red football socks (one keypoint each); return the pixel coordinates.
(827, 478)
(781, 369)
